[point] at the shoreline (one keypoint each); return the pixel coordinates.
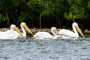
(35, 30)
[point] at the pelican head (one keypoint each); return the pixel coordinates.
(75, 25)
(13, 27)
(54, 31)
(25, 26)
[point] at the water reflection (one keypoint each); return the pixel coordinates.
(32, 49)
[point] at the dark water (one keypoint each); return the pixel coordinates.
(32, 49)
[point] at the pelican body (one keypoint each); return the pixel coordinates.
(23, 27)
(70, 34)
(5, 35)
(46, 35)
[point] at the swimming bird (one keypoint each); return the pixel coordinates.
(5, 35)
(23, 27)
(46, 35)
(70, 34)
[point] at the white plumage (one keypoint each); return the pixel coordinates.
(5, 35)
(70, 34)
(46, 35)
(23, 27)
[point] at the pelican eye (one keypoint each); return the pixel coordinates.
(54, 31)
(76, 26)
(14, 28)
(24, 25)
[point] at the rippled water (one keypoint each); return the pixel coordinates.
(48, 49)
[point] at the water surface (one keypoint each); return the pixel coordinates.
(48, 49)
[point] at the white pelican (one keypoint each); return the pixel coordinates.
(23, 27)
(46, 35)
(5, 35)
(70, 34)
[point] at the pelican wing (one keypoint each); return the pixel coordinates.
(4, 35)
(42, 35)
(67, 33)
(10, 32)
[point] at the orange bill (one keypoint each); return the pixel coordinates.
(24, 26)
(55, 31)
(78, 29)
(16, 29)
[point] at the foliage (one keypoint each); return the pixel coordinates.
(2, 18)
(31, 9)
(76, 10)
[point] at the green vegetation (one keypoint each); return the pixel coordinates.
(30, 10)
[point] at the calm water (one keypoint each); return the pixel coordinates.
(32, 49)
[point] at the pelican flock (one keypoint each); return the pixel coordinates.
(67, 33)
(63, 33)
(5, 35)
(23, 27)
